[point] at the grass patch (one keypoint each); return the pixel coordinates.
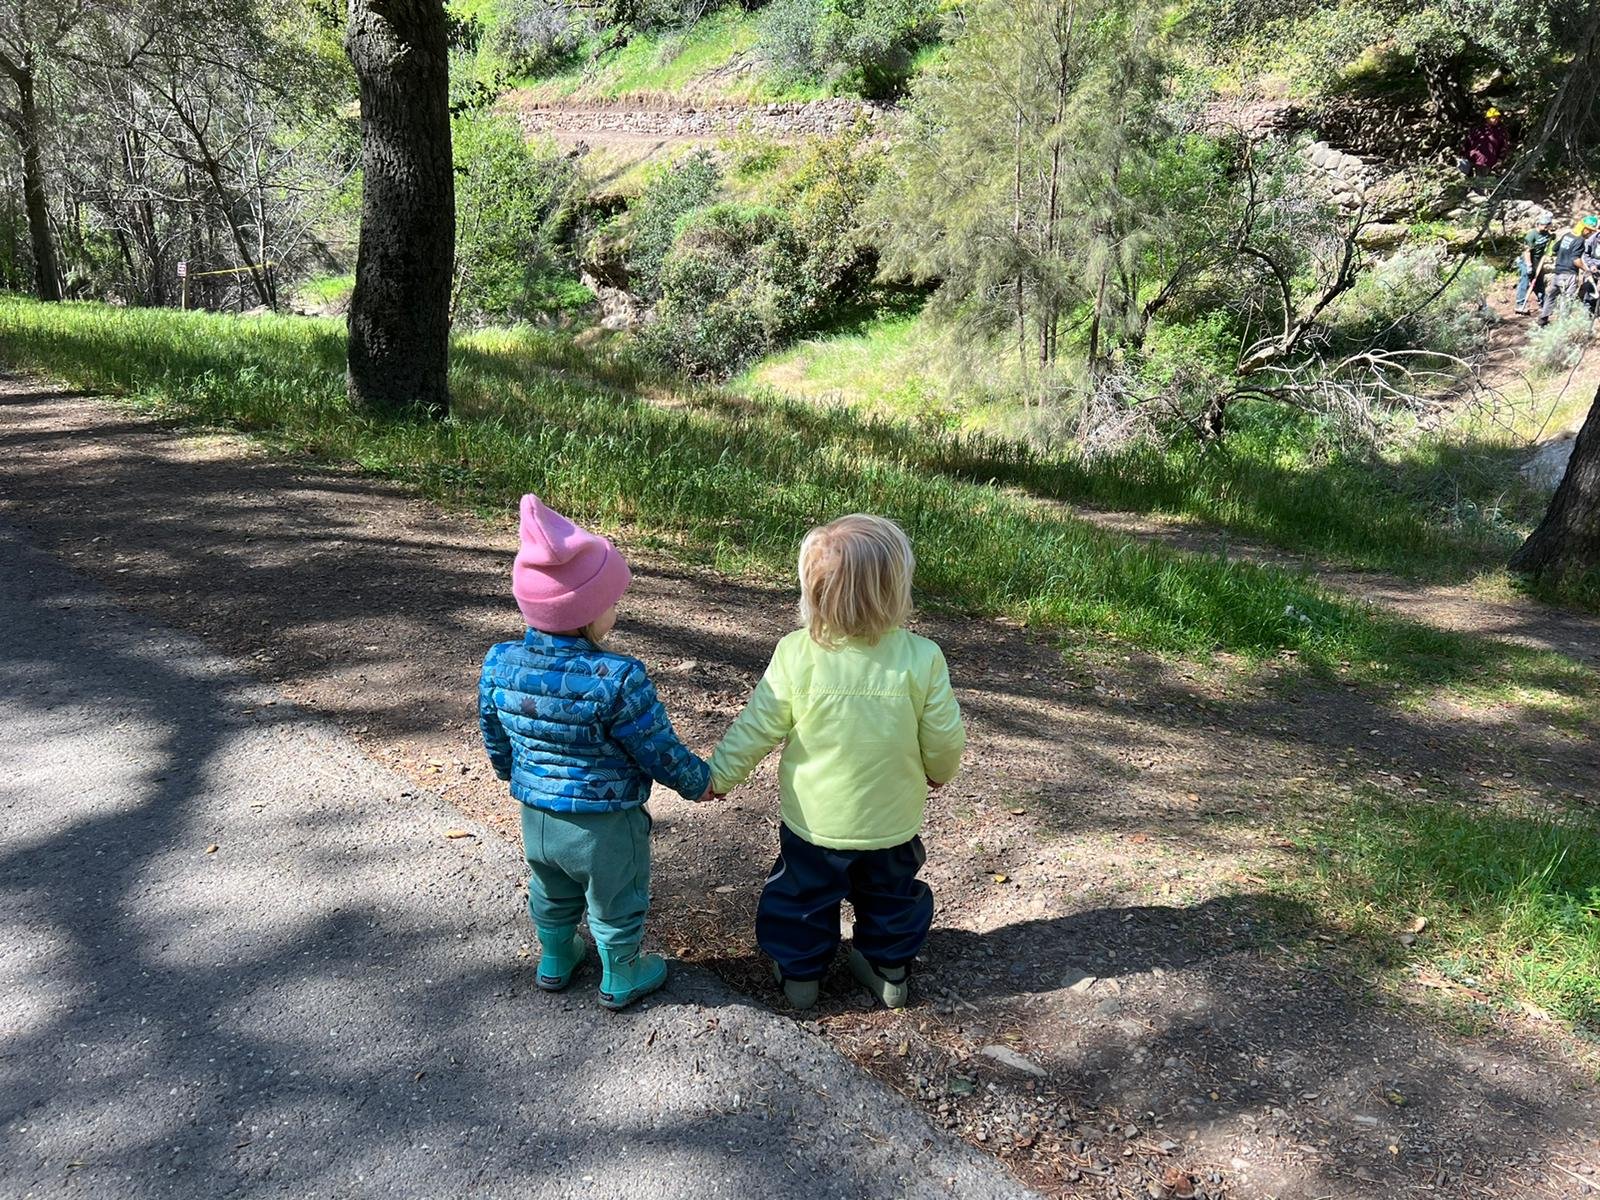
(1511, 899)
(697, 60)
(722, 480)
(1446, 507)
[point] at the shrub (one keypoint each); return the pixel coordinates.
(531, 37)
(1559, 345)
(865, 46)
(731, 288)
(683, 186)
(1393, 307)
(513, 203)
(827, 194)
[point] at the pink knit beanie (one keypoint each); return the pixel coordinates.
(564, 576)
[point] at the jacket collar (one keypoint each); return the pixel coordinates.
(539, 640)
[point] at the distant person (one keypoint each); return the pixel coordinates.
(869, 725)
(1532, 258)
(578, 732)
(1566, 267)
(1487, 145)
(1589, 285)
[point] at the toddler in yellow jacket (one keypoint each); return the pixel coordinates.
(868, 723)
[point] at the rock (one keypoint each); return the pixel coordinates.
(1078, 981)
(1383, 236)
(1007, 1057)
(1548, 464)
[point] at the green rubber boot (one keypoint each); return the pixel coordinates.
(561, 951)
(626, 975)
(800, 993)
(889, 984)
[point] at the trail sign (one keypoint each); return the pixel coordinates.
(183, 268)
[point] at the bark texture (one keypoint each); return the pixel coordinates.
(1567, 543)
(400, 310)
(23, 121)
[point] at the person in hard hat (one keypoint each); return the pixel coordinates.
(1487, 144)
(1567, 271)
(1531, 259)
(1589, 284)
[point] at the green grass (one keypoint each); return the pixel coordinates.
(1445, 507)
(326, 289)
(1511, 899)
(720, 479)
(675, 62)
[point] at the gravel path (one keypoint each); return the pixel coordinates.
(239, 958)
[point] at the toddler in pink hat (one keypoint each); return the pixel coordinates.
(579, 733)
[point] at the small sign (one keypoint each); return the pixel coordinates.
(183, 268)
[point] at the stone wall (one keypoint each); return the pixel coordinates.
(667, 120)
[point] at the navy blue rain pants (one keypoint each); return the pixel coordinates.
(797, 921)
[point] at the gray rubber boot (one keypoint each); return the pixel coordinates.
(890, 985)
(800, 993)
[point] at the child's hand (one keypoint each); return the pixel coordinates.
(706, 795)
(934, 787)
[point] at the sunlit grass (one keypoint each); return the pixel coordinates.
(721, 479)
(1507, 902)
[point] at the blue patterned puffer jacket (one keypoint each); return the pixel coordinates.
(577, 729)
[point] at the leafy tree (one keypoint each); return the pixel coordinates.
(1019, 185)
(513, 201)
(1564, 551)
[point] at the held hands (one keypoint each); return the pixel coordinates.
(708, 795)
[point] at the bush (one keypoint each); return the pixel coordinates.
(1390, 308)
(685, 185)
(731, 288)
(513, 205)
(1559, 345)
(531, 37)
(864, 46)
(827, 194)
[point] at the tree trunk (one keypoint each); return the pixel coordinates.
(24, 122)
(1567, 543)
(400, 310)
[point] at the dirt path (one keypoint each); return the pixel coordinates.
(1100, 864)
(1454, 607)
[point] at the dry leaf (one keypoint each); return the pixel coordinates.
(459, 833)
(211, 849)
(1000, 878)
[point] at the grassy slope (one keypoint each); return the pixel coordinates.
(701, 61)
(1449, 507)
(716, 478)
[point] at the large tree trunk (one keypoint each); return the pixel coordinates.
(400, 310)
(1567, 543)
(24, 122)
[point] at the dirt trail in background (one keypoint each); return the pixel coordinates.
(1456, 608)
(676, 119)
(1106, 996)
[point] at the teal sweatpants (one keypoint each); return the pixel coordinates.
(597, 863)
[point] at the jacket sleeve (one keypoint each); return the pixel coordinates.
(765, 722)
(939, 728)
(495, 740)
(641, 727)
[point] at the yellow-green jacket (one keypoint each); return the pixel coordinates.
(864, 728)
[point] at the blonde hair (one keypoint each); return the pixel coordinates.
(855, 579)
